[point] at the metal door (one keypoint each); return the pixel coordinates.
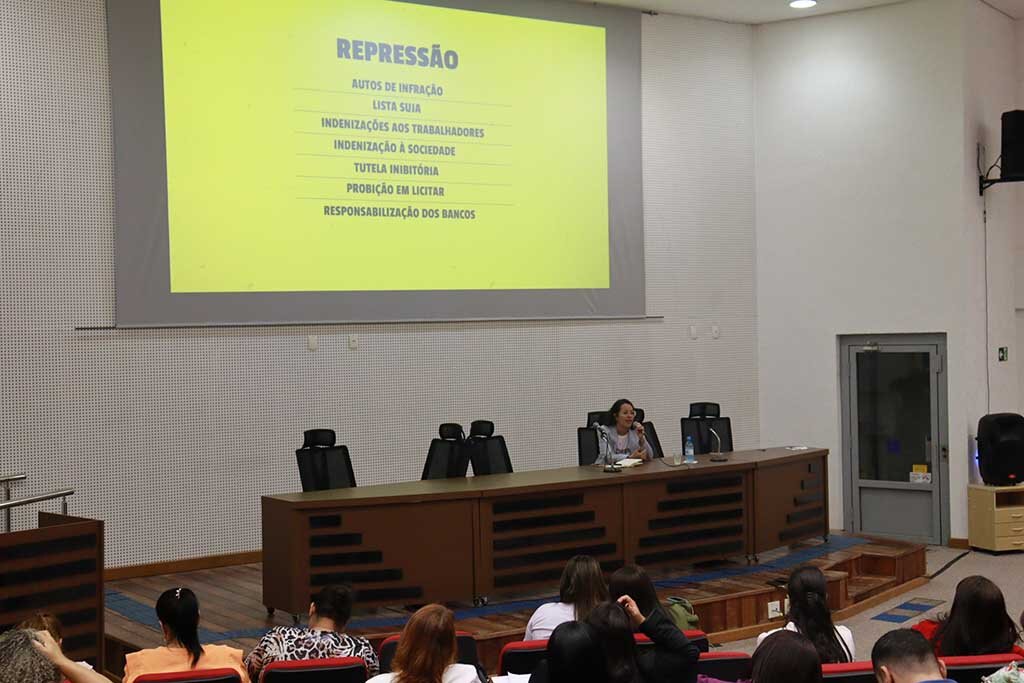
(895, 451)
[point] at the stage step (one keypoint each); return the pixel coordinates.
(868, 585)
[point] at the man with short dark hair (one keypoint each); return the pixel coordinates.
(905, 656)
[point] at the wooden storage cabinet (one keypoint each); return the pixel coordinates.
(995, 516)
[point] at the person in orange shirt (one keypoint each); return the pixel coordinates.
(977, 624)
(178, 612)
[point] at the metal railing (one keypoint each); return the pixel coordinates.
(5, 482)
(7, 504)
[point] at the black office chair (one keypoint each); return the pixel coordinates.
(698, 429)
(705, 410)
(487, 451)
(318, 438)
(447, 457)
(588, 445)
(653, 441)
(321, 469)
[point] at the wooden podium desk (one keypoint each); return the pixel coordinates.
(462, 539)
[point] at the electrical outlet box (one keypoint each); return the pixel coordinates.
(1004, 354)
(312, 342)
(353, 341)
(693, 331)
(774, 609)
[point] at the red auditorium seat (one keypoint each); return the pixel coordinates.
(725, 666)
(334, 670)
(698, 638)
(463, 640)
(853, 672)
(971, 669)
(521, 657)
(197, 676)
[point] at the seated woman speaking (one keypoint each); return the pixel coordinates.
(624, 437)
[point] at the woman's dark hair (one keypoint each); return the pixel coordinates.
(633, 581)
(613, 412)
(574, 654)
(334, 603)
(808, 610)
(178, 610)
(615, 635)
(977, 623)
(582, 585)
(786, 657)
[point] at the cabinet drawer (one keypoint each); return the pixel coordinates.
(1010, 530)
(1009, 543)
(1009, 515)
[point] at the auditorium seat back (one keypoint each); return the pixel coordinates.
(334, 670)
(973, 669)
(851, 672)
(521, 657)
(465, 643)
(705, 409)
(698, 638)
(725, 666)
(197, 676)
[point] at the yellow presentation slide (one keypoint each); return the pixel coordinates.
(371, 145)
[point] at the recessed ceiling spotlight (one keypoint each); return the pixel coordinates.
(803, 4)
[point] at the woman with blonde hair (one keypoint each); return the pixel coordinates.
(427, 651)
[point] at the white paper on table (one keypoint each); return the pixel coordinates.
(629, 462)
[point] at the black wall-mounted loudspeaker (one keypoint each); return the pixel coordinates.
(1012, 165)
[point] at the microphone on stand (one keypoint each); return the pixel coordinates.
(717, 455)
(605, 451)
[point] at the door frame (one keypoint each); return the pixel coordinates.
(846, 344)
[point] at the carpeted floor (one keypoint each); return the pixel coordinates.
(1007, 571)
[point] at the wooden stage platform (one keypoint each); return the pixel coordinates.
(731, 598)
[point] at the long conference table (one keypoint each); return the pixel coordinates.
(476, 537)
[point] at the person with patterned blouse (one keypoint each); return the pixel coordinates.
(323, 639)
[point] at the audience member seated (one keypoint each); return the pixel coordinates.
(328, 614)
(977, 623)
(573, 656)
(44, 621)
(906, 656)
(613, 623)
(809, 615)
(427, 651)
(178, 612)
(673, 657)
(28, 656)
(582, 587)
(786, 657)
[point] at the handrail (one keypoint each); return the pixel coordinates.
(39, 499)
(12, 477)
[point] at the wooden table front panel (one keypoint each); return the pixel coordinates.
(686, 519)
(391, 554)
(525, 540)
(791, 502)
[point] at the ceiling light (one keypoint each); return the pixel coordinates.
(803, 4)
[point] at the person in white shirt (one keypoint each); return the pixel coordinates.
(582, 587)
(624, 437)
(809, 616)
(427, 651)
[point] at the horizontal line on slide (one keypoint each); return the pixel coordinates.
(416, 137)
(422, 182)
(400, 96)
(403, 201)
(406, 161)
(384, 115)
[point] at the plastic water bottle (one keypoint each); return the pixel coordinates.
(688, 451)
